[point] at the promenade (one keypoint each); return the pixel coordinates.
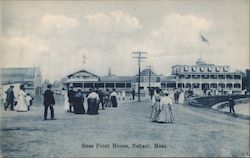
(122, 131)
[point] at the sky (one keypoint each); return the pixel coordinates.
(55, 35)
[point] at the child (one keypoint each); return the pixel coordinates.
(28, 100)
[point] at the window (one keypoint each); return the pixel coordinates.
(237, 76)
(229, 77)
(229, 85)
(204, 76)
(120, 85)
(185, 68)
(221, 76)
(141, 88)
(196, 85)
(163, 85)
(128, 85)
(109, 85)
(88, 85)
(181, 76)
(221, 85)
(171, 85)
(188, 76)
(188, 85)
(217, 69)
(77, 85)
(225, 69)
(196, 76)
(99, 85)
(213, 76)
(236, 85)
(201, 69)
(180, 85)
(193, 68)
(213, 85)
(209, 69)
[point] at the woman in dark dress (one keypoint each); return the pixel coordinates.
(113, 96)
(78, 103)
(93, 103)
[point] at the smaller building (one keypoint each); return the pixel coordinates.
(31, 78)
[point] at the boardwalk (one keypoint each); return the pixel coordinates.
(123, 131)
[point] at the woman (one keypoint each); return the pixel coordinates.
(66, 100)
(21, 105)
(93, 103)
(113, 97)
(156, 105)
(166, 114)
(78, 103)
(181, 98)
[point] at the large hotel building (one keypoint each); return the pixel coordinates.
(196, 77)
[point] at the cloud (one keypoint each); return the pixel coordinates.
(114, 21)
(58, 22)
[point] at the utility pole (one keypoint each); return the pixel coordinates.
(139, 57)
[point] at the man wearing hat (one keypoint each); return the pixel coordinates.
(9, 98)
(48, 102)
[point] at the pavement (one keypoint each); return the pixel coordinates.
(125, 131)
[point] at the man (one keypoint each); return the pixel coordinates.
(101, 96)
(10, 98)
(133, 94)
(231, 105)
(49, 101)
(176, 97)
(71, 95)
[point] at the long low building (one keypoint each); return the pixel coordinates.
(196, 77)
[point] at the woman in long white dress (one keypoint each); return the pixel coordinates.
(166, 114)
(21, 104)
(181, 98)
(66, 100)
(155, 106)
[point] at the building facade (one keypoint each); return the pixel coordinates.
(31, 78)
(207, 76)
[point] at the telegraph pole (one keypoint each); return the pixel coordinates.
(139, 57)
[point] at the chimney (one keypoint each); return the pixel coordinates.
(109, 72)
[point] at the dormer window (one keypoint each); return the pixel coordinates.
(225, 69)
(185, 68)
(210, 69)
(217, 69)
(202, 69)
(193, 68)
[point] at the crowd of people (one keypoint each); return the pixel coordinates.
(74, 100)
(162, 101)
(21, 103)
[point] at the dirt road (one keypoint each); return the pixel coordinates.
(122, 131)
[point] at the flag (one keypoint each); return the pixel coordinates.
(84, 58)
(203, 39)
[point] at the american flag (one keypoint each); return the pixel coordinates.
(203, 39)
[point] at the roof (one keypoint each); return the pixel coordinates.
(117, 78)
(17, 75)
(83, 71)
(146, 72)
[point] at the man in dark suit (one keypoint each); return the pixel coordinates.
(49, 101)
(71, 95)
(231, 105)
(9, 98)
